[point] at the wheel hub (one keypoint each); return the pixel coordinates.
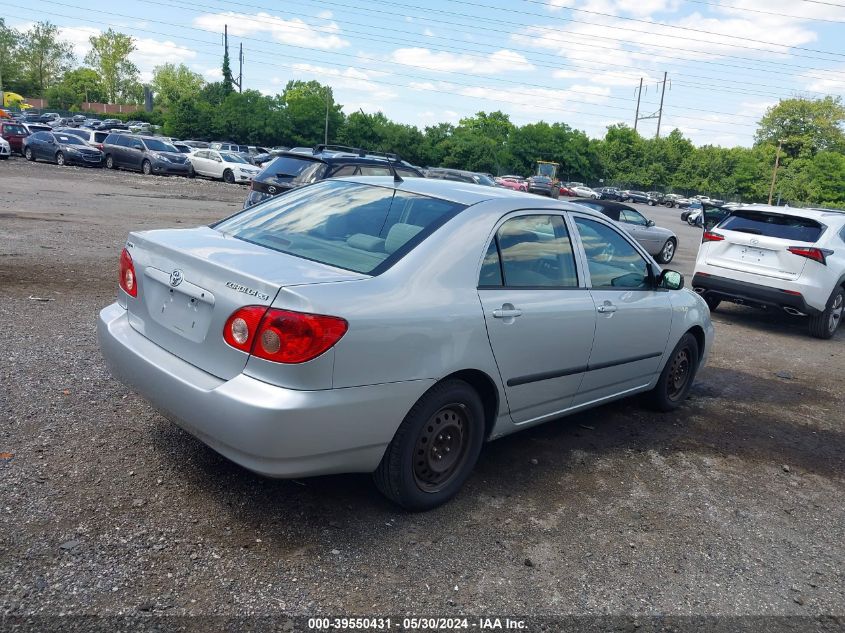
(679, 373)
(835, 313)
(441, 447)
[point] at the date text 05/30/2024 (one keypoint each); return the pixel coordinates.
(416, 624)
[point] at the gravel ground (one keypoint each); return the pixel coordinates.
(732, 505)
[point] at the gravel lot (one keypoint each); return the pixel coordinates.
(733, 505)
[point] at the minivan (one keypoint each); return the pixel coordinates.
(147, 154)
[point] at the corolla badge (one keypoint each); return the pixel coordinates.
(176, 278)
(248, 291)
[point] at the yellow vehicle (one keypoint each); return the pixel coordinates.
(546, 169)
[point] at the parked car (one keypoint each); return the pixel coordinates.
(778, 258)
(94, 138)
(584, 192)
(516, 184)
(566, 191)
(32, 128)
(5, 149)
(294, 169)
(460, 175)
(182, 148)
(227, 166)
(308, 336)
(659, 242)
(146, 154)
(544, 186)
(62, 122)
(657, 196)
(640, 197)
(693, 213)
(609, 193)
(62, 149)
(14, 133)
(676, 201)
(196, 144)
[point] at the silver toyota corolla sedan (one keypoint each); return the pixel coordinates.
(373, 325)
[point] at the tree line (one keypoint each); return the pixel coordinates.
(808, 131)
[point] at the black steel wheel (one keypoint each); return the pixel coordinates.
(677, 376)
(434, 449)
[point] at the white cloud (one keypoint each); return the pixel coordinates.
(428, 32)
(350, 79)
(325, 15)
(499, 62)
(293, 31)
(829, 81)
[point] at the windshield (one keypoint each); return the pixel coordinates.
(155, 145)
(363, 228)
(481, 179)
(234, 158)
(68, 139)
(786, 227)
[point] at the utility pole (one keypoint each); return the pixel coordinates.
(241, 68)
(326, 133)
(775, 172)
(660, 112)
(656, 115)
(639, 96)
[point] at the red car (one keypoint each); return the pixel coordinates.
(15, 133)
(513, 183)
(566, 191)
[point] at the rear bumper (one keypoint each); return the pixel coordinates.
(746, 293)
(270, 430)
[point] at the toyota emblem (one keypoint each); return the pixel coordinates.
(176, 278)
(271, 189)
(755, 241)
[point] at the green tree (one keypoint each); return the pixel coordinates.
(43, 57)
(189, 118)
(109, 55)
(172, 83)
(62, 97)
(228, 82)
(85, 84)
(805, 126)
(10, 73)
(305, 104)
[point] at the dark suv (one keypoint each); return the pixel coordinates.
(290, 170)
(147, 154)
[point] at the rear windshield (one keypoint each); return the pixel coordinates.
(363, 228)
(786, 227)
(289, 166)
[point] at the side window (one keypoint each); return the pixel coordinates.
(345, 170)
(613, 261)
(201, 155)
(632, 217)
(491, 267)
(375, 170)
(535, 251)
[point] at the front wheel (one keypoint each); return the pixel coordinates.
(27, 153)
(109, 161)
(60, 159)
(824, 325)
(229, 177)
(147, 167)
(667, 252)
(676, 378)
(434, 449)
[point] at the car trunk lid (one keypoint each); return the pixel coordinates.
(757, 242)
(191, 281)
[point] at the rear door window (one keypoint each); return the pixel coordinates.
(786, 227)
(348, 225)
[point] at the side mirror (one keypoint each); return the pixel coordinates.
(670, 280)
(137, 146)
(649, 223)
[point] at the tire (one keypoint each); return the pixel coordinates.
(4, 158)
(406, 477)
(667, 252)
(677, 376)
(192, 173)
(110, 162)
(60, 159)
(712, 302)
(824, 325)
(27, 154)
(147, 167)
(229, 177)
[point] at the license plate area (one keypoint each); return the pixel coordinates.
(185, 309)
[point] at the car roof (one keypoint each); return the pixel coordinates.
(803, 212)
(465, 193)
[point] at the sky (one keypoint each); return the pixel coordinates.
(427, 61)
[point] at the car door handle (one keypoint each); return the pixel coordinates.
(606, 308)
(507, 313)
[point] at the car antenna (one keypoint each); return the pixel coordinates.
(397, 179)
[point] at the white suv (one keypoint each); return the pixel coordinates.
(777, 257)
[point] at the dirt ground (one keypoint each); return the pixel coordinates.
(733, 505)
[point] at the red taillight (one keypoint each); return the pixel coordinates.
(282, 336)
(816, 254)
(127, 280)
(710, 236)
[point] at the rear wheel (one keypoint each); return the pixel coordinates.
(434, 449)
(147, 167)
(228, 176)
(824, 325)
(712, 302)
(667, 252)
(60, 159)
(109, 161)
(677, 376)
(27, 153)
